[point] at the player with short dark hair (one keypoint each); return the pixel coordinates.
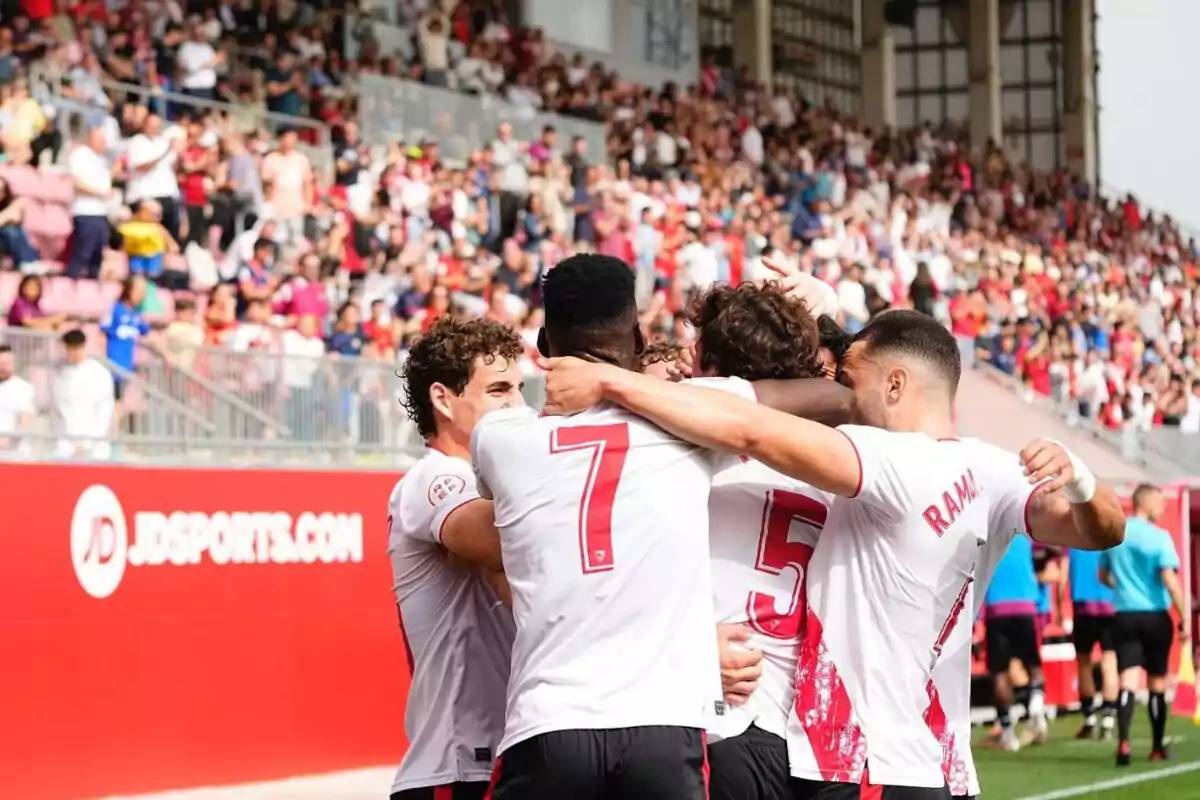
(1144, 574)
(445, 556)
(614, 667)
(905, 496)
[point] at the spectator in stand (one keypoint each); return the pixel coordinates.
(25, 133)
(347, 338)
(14, 241)
(197, 165)
(84, 408)
(17, 407)
(198, 63)
(184, 334)
(220, 314)
(433, 39)
(256, 279)
(124, 328)
(303, 350)
(286, 86)
(152, 157)
(287, 177)
(303, 294)
(508, 159)
(146, 242)
(91, 173)
(26, 309)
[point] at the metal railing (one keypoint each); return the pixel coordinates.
(1131, 443)
(390, 109)
(48, 83)
(225, 406)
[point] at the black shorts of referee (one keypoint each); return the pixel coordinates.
(654, 762)
(750, 766)
(815, 790)
(453, 791)
(1089, 630)
(1143, 639)
(1012, 637)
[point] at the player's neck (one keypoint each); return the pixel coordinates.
(933, 424)
(446, 444)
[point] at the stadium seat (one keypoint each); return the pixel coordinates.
(9, 281)
(49, 226)
(56, 187)
(91, 303)
(22, 180)
(95, 346)
(110, 290)
(115, 264)
(59, 295)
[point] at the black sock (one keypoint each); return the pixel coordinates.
(1087, 705)
(1021, 695)
(1158, 718)
(1109, 709)
(1004, 717)
(1124, 714)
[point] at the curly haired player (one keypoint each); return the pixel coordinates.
(459, 638)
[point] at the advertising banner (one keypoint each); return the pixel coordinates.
(166, 628)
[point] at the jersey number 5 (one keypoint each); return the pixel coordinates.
(775, 553)
(609, 445)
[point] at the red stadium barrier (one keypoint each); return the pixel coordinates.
(187, 627)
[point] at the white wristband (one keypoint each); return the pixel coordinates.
(1083, 488)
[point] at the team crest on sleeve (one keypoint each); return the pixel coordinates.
(443, 486)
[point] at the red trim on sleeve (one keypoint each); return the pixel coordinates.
(858, 457)
(1025, 513)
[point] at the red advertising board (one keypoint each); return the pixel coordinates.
(165, 628)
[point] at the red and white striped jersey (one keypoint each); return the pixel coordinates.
(604, 525)
(887, 581)
(763, 527)
(458, 634)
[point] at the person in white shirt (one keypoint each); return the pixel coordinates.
(84, 402)
(903, 494)
(16, 405)
(614, 665)
(303, 351)
(445, 556)
(198, 63)
(91, 173)
(152, 155)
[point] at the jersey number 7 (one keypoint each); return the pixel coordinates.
(609, 445)
(775, 553)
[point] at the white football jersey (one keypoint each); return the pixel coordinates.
(458, 634)
(603, 521)
(949, 711)
(886, 583)
(763, 526)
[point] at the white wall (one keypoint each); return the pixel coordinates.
(1149, 97)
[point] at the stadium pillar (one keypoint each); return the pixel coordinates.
(1079, 111)
(983, 66)
(878, 67)
(752, 38)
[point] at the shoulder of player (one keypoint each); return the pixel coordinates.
(434, 477)
(738, 386)
(502, 420)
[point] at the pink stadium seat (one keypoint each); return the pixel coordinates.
(90, 301)
(175, 261)
(168, 303)
(42, 380)
(22, 180)
(8, 289)
(59, 296)
(56, 187)
(49, 226)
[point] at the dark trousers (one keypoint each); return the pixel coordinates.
(87, 247)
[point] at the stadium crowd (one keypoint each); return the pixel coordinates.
(228, 235)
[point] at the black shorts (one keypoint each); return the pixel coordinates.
(453, 791)
(1090, 631)
(1009, 638)
(816, 790)
(1143, 639)
(752, 766)
(118, 389)
(645, 763)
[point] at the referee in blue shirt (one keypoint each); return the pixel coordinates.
(1144, 574)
